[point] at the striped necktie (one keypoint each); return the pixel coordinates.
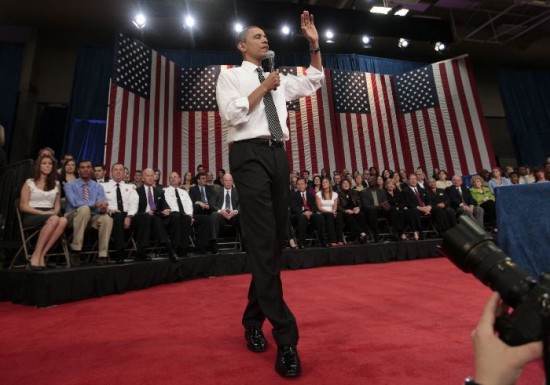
(271, 111)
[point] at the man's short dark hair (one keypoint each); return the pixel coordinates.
(201, 174)
(240, 37)
(100, 165)
(299, 179)
(84, 161)
(113, 166)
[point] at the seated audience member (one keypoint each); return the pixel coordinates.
(154, 213)
(498, 180)
(87, 206)
(181, 207)
(200, 170)
(293, 180)
(336, 180)
(326, 201)
(306, 175)
(380, 182)
(122, 202)
(68, 174)
(203, 197)
(359, 185)
(496, 362)
(40, 205)
(485, 199)
(515, 178)
(403, 176)
(418, 204)
(303, 211)
(158, 176)
(444, 216)
(373, 202)
(420, 178)
(397, 209)
(188, 181)
(349, 204)
(462, 200)
(325, 173)
(529, 177)
(46, 151)
(442, 180)
(485, 175)
(219, 175)
(387, 174)
(226, 207)
(540, 175)
(435, 173)
(373, 171)
(316, 186)
(507, 171)
(127, 175)
(65, 159)
(99, 174)
(137, 178)
(398, 182)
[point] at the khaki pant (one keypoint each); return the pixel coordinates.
(80, 219)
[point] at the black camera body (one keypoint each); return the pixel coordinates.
(472, 250)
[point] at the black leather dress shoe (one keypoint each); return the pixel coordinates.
(288, 362)
(256, 339)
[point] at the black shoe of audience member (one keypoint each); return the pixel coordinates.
(301, 245)
(172, 256)
(256, 339)
(214, 247)
(119, 257)
(182, 252)
(74, 256)
(288, 362)
(102, 261)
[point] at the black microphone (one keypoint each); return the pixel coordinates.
(270, 56)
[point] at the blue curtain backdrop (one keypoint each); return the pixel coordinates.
(525, 95)
(88, 109)
(11, 61)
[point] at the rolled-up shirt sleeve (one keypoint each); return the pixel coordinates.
(300, 86)
(233, 106)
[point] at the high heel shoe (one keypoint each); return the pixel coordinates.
(404, 237)
(416, 236)
(292, 244)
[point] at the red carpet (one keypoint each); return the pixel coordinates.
(396, 323)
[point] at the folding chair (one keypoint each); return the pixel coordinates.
(228, 241)
(28, 236)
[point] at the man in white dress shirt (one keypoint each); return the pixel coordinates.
(179, 201)
(123, 204)
(252, 105)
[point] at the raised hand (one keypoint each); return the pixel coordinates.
(309, 30)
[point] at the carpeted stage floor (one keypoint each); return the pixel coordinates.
(401, 323)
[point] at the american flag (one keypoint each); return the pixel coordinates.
(367, 120)
(428, 117)
(441, 120)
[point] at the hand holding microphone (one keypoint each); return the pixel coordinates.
(273, 80)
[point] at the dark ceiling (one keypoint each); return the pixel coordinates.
(512, 32)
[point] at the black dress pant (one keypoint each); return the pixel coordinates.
(117, 233)
(300, 222)
(261, 174)
(144, 223)
(204, 230)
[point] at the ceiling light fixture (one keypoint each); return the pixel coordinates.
(140, 21)
(401, 12)
(380, 10)
(189, 21)
(238, 27)
(285, 30)
(329, 36)
(403, 43)
(440, 47)
(367, 40)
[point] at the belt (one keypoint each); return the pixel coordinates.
(264, 142)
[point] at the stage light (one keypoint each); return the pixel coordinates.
(367, 40)
(380, 10)
(285, 30)
(329, 35)
(189, 21)
(238, 27)
(140, 21)
(403, 43)
(440, 47)
(401, 12)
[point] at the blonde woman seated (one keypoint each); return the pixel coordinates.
(40, 204)
(486, 199)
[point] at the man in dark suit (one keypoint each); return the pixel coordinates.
(303, 210)
(181, 206)
(371, 200)
(154, 213)
(418, 204)
(226, 208)
(203, 197)
(441, 203)
(462, 200)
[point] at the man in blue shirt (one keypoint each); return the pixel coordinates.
(87, 206)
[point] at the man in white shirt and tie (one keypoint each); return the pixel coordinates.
(252, 106)
(203, 196)
(123, 204)
(179, 201)
(226, 210)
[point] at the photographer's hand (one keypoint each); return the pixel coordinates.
(495, 362)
